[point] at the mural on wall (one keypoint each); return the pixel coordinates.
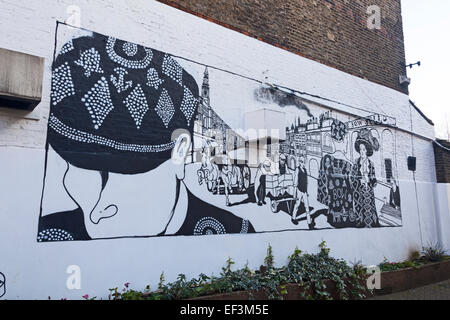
(114, 109)
(323, 170)
(136, 149)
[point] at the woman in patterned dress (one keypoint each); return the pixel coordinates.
(364, 180)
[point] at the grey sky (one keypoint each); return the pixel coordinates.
(426, 26)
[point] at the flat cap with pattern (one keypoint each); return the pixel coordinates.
(115, 104)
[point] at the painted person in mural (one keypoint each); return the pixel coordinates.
(226, 175)
(301, 193)
(260, 182)
(364, 180)
(394, 196)
(121, 119)
(203, 173)
(335, 191)
(282, 166)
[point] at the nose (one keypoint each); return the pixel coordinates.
(98, 214)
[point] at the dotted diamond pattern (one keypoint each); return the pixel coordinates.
(165, 108)
(98, 102)
(137, 105)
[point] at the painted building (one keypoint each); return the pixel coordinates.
(108, 170)
(210, 131)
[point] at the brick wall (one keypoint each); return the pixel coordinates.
(442, 158)
(332, 32)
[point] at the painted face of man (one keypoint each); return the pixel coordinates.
(117, 205)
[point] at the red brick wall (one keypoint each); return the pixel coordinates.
(332, 32)
(442, 158)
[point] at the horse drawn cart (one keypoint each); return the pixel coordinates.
(238, 177)
(215, 172)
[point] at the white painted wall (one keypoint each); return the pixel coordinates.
(35, 270)
(442, 198)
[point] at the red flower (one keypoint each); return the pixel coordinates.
(86, 296)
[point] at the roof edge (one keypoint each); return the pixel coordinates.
(421, 113)
(439, 144)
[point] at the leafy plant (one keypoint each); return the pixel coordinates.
(310, 271)
(392, 266)
(432, 253)
(269, 259)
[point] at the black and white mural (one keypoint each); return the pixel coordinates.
(136, 147)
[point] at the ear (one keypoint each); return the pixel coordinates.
(180, 152)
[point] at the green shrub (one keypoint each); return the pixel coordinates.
(392, 266)
(309, 271)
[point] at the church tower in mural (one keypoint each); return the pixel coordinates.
(205, 89)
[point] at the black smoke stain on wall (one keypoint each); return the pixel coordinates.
(283, 99)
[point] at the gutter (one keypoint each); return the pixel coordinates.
(441, 146)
